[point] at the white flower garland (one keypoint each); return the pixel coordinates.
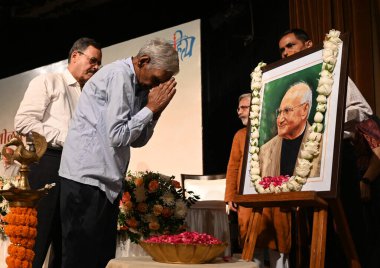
(310, 148)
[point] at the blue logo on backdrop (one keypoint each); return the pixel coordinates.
(183, 44)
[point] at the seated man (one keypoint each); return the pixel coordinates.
(8, 168)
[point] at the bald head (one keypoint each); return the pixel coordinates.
(8, 160)
(9, 150)
(300, 91)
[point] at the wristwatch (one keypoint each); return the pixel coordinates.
(365, 180)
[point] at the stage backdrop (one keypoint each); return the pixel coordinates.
(176, 146)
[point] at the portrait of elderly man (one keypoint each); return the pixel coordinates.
(278, 156)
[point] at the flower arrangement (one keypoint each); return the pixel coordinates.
(153, 204)
(310, 148)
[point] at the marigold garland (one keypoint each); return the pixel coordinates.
(26, 220)
(21, 230)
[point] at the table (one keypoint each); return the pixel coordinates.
(126, 248)
(147, 262)
(208, 216)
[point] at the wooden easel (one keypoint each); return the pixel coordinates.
(300, 199)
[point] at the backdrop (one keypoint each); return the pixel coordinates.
(176, 146)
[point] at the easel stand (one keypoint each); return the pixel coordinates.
(300, 199)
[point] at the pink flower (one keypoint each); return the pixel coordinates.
(275, 181)
(185, 238)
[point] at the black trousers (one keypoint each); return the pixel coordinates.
(48, 216)
(89, 222)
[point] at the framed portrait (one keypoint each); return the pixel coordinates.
(277, 79)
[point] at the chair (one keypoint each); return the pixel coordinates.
(208, 215)
(208, 187)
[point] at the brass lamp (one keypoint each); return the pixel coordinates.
(22, 195)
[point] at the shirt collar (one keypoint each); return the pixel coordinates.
(130, 64)
(138, 91)
(71, 81)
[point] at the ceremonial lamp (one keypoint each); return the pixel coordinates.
(22, 218)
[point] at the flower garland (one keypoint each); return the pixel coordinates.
(310, 148)
(153, 204)
(21, 230)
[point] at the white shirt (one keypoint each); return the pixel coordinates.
(357, 109)
(48, 105)
(8, 171)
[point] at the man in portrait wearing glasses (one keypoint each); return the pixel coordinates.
(278, 156)
(47, 108)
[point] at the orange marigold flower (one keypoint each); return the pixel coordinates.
(154, 225)
(128, 205)
(126, 197)
(157, 210)
(166, 212)
(176, 184)
(132, 222)
(142, 207)
(139, 181)
(153, 186)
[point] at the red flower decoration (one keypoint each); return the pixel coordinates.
(185, 238)
(275, 181)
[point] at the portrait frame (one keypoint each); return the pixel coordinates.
(304, 66)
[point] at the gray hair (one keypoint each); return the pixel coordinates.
(82, 44)
(245, 95)
(162, 55)
(307, 97)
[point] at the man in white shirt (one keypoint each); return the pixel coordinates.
(357, 110)
(8, 168)
(47, 108)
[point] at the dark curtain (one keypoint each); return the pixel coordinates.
(233, 43)
(358, 17)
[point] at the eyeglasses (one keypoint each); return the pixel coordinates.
(286, 111)
(243, 107)
(91, 60)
